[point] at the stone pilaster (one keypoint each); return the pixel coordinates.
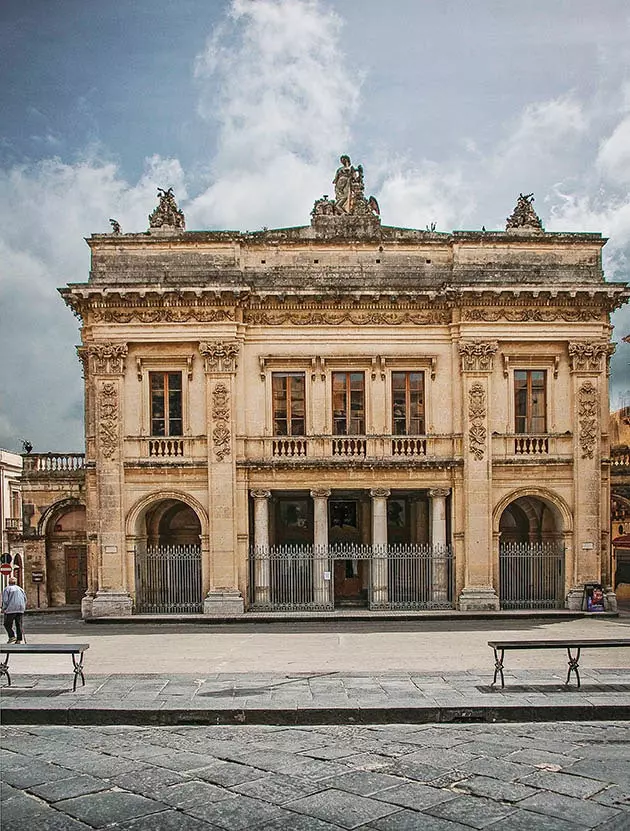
(220, 363)
(108, 592)
(380, 587)
(321, 571)
(589, 361)
(477, 358)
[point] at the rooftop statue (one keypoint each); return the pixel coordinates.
(116, 229)
(349, 194)
(524, 217)
(167, 215)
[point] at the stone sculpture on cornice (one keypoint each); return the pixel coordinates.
(167, 215)
(524, 217)
(349, 194)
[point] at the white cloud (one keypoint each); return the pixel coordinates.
(613, 159)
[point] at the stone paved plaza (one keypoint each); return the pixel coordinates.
(393, 777)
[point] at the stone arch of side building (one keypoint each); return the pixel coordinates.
(62, 527)
(175, 552)
(533, 556)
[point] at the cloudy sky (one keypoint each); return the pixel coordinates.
(244, 106)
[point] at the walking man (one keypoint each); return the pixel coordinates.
(14, 606)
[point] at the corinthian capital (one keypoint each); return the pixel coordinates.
(477, 355)
(103, 358)
(220, 356)
(590, 356)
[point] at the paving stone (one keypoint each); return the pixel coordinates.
(339, 807)
(236, 814)
(533, 756)
(146, 781)
(580, 811)
(21, 810)
(415, 770)
(412, 821)
(564, 783)
(365, 782)
(474, 811)
(167, 821)
(499, 768)
(77, 785)
(229, 773)
(614, 796)
(441, 758)
(32, 772)
(278, 788)
(495, 789)
(529, 821)
(415, 795)
(606, 770)
(107, 807)
(48, 819)
(186, 794)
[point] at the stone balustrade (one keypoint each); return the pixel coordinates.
(52, 463)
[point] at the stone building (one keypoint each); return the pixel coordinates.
(620, 500)
(11, 555)
(344, 413)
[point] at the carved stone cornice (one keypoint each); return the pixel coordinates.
(332, 317)
(587, 417)
(220, 356)
(533, 314)
(162, 314)
(103, 358)
(590, 356)
(477, 355)
(477, 432)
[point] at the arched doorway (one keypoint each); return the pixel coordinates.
(66, 555)
(531, 555)
(168, 560)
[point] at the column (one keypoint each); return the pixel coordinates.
(261, 546)
(439, 551)
(380, 591)
(321, 561)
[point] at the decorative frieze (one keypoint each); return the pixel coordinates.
(477, 433)
(477, 355)
(590, 356)
(108, 419)
(220, 356)
(532, 314)
(103, 358)
(163, 314)
(587, 417)
(331, 317)
(221, 435)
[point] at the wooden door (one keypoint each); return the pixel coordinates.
(76, 573)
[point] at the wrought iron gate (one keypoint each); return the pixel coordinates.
(168, 579)
(302, 577)
(531, 575)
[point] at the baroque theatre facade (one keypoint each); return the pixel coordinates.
(344, 414)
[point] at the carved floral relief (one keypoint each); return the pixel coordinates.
(587, 417)
(477, 355)
(477, 433)
(535, 315)
(108, 421)
(105, 358)
(331, 317)
(221, 436)
(166, 314)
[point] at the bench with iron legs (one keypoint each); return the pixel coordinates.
(76, 650)
(574, 647)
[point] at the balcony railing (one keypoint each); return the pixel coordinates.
(13, 525)
(382, 447)
(53, 462)
(165, 449)
(619, 457)
(531, 445)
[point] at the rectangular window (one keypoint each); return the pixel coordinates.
(166, 403)
(530, 400)
(289, 403)
(408, 403)
(348, 402)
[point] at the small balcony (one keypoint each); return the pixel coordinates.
(13, 525)
(165, 449)
(322, 447)
(531, 446)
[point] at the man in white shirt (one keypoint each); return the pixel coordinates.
(14, 606)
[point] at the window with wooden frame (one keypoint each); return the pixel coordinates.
(166, 403)
(408, 403)
(289, 403)
(348, 403)
(530, 401)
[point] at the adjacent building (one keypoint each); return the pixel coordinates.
(344, 413)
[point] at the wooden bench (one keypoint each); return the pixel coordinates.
(72, 649)
(569, 644)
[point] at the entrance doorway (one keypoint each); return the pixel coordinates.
(76, 573)
(346, 523)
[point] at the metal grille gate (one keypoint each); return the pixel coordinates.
(168, 579)
(531, 575)
(302, 577)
